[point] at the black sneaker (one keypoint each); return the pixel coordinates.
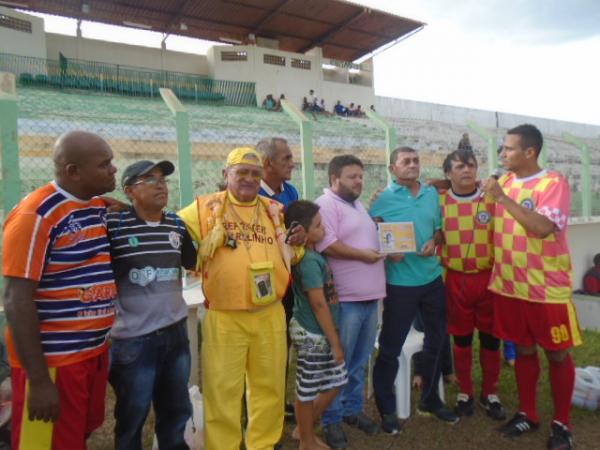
(390, 424)
(560, 437)
(442, 413)
(363, 423)
(493, 407)
(518, 425)
(464, 405)
(335, 436)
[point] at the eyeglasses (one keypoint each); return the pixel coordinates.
(151, 181)
(247, 172)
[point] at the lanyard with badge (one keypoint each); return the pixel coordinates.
(262, 274)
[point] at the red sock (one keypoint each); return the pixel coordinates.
(527, 373)
(463, 362)
(490, 368)
(562, 382)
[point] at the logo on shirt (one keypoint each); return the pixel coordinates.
(145, 276)
(484, 217)
(142, 277)
(133, 241)
(97, 293)
(75, 231)
(175, 239)
(528, 203)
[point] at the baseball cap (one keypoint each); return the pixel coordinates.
(139, 168)
(243, 155)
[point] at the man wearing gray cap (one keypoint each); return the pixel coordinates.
(150, 351)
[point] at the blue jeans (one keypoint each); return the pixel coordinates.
(358, 330)
(400, 308)
(154, 368)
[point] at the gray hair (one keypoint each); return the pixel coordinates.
(268, 147)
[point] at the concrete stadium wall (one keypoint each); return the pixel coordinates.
(21, 42)
(125, 54)
(410, 109)
(293, 82)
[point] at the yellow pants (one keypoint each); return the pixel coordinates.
(238, 347)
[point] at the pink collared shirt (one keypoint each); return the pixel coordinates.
(351, 224)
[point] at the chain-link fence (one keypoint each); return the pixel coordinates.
(135, 129)
(143, 128)
(214, 131)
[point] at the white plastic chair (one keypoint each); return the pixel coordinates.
(403, 382)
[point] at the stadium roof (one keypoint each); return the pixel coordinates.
(345, 31)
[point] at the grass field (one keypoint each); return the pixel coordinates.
(477, 432)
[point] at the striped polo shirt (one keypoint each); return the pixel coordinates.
(60, 241)
(147, 259)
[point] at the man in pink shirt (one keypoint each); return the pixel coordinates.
(351, 247)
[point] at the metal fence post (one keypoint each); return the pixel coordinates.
(306, 142)
(9, 147)
(543, 159)
(492, 149)
(9, 142)
(391, 137)
(586, 173)
(184, 147)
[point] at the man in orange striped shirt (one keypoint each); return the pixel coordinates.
(59, 298)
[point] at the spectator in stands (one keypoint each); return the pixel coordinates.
(312, 98)
(245, 266)
(351, 110)
(358, 112)
(322, 108)
(279, 106)
(591, 280)
(59, 298)
(269, 103)
(305, 104)
(530, 237)
(150, 353)
(414, 283)
(372, 108)
(465, 142)
(340, 109)
(351, 247)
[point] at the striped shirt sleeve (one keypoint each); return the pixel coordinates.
(26, 239)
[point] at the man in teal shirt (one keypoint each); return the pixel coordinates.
(414, 285)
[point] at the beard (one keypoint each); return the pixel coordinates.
(347, 194)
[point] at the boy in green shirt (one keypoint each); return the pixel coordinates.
(320, 370)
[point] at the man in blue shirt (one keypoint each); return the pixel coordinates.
(414, 284)
(278, 164)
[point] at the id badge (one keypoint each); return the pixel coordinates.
(262, 283)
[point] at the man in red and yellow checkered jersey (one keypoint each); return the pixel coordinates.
(532, 277)
(467, 256)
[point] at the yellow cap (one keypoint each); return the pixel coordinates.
(243, 155)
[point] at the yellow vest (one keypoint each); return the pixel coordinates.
(226, 276)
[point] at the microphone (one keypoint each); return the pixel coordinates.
(496, 174)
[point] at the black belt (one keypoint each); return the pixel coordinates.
(165, 329)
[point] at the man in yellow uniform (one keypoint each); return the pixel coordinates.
(245, 265)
